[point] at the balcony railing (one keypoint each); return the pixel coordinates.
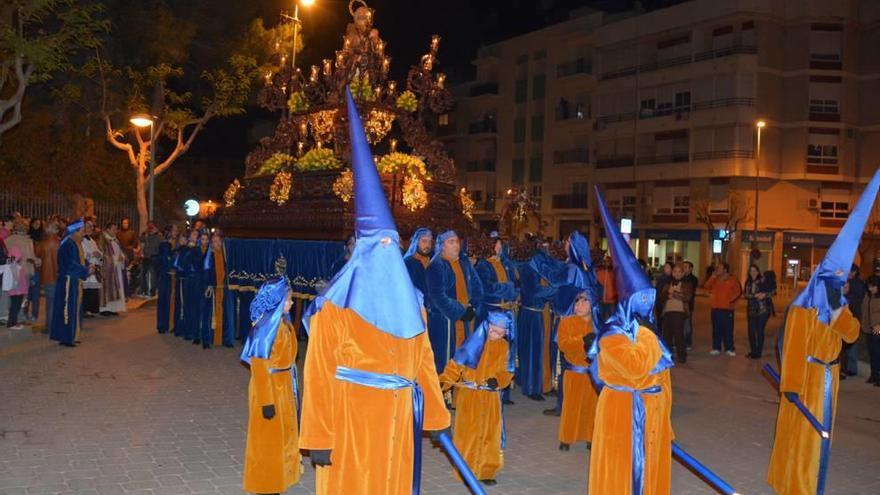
(484, 89)
(574, 155)
(723, 103)
(483, 127)
(683, 60)
(569, 201)
(825, 61)
(617, 117)
(673, 158)
(723, 154)
(579, 66)
(481, 166)
(614, 161)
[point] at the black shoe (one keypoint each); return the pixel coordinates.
(872, 379)
(65, 344)
(196, 341)
(228, 346)
(551, 412)
(850, 373)
(552, 393)
(537, 397)
(489, 482)
(507, 402)
(843, 376)
(564, 447)
(206, 346)
(589, 445)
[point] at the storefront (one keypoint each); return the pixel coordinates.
(801, 252)
(673, 246)
(764, 241)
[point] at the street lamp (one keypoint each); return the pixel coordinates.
(760, 124)
(296, 24)
(142, 120)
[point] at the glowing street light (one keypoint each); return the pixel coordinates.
(760, 124)
(142, 120)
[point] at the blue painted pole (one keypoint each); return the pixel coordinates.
(793, 398)
(463, 469)
(694, 465)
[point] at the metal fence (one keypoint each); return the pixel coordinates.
(58, 204)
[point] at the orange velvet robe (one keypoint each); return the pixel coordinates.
(478, 423)
(272, 459)
(546, 376)
(461, 295)
(629, 364)
(579, 396)
(219, 289)
(370, 431)
(794, 463)
(498, 267)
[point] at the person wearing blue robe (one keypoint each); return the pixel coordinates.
(418, 257)
(165, 292)
(499, 277)
(194, 294)
(452, 310)
(218, 302)
(539, 284)
(180, 259)
(66, 326)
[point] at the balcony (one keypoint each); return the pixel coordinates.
(483, 127)
(824, 116)
(723, 103)
(683, 60)
(617, 117)
(825, 61)
(673, 158)
(614, 161)
(484, 89)
(574, 155)
(567, 112)
(481, 166)
(574, 67)
(723, 154)
(569, 201)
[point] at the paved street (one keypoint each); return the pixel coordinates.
(131, 411)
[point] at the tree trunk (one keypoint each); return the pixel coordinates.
(141, 192)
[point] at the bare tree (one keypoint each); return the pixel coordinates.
(38, 39)
(738, 210)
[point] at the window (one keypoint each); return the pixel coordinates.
(519, 130)
(536, 168)
(476, 196)
(537, 128)
(646, 109)
(518, 172)
(622, 201)
(443, 119)
(579, 188)
(822, 154)
(826, 43)
(834, 209)
(672, 200)
(537, 190)
(683, 101)
(824, 106)
(539, 87)
(719, 202)
(521, 90)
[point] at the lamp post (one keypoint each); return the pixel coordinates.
(296, 24)
(759, 126)
(142, 120)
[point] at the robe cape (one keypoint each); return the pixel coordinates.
(447, 304)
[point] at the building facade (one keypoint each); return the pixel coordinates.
(660, 110)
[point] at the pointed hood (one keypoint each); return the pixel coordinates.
(376, 260)
(414, 242)
(471, 349)
(824, 290)
(267, 311)
(634, 290)
(580, 278)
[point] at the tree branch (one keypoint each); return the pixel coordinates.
(183, 145)
(111, 138)
(22, 74)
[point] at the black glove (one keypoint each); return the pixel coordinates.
(588, 341)
(435, 434)
(791, 396)
(469, 314)
(321, 457)
(269, 411)
(492, 383)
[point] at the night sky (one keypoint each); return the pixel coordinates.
(406, 26)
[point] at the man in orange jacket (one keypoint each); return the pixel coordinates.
(725, 292)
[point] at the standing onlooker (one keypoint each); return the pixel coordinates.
(150, 241)
(128, 241)
(47, 251)
(15, 283)
(758, 294)
(28, 260)
(4, 253)
(113, 272)
(871, 327)
(36, 233)
(689, 319)
(91, 300)
(674, 310)
(663, 279)
(855, 291)
(725, 291)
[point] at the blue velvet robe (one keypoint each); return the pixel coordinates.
(494, 292)
(444, 309)
(66, 320)
(163, 289)
(417, 273)
(179, 259)
(530, 329)
(207, 322)
(194, 293)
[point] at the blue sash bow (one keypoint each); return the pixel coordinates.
(394, 382)
(827, 411)
(638, 432)
(584, 370)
